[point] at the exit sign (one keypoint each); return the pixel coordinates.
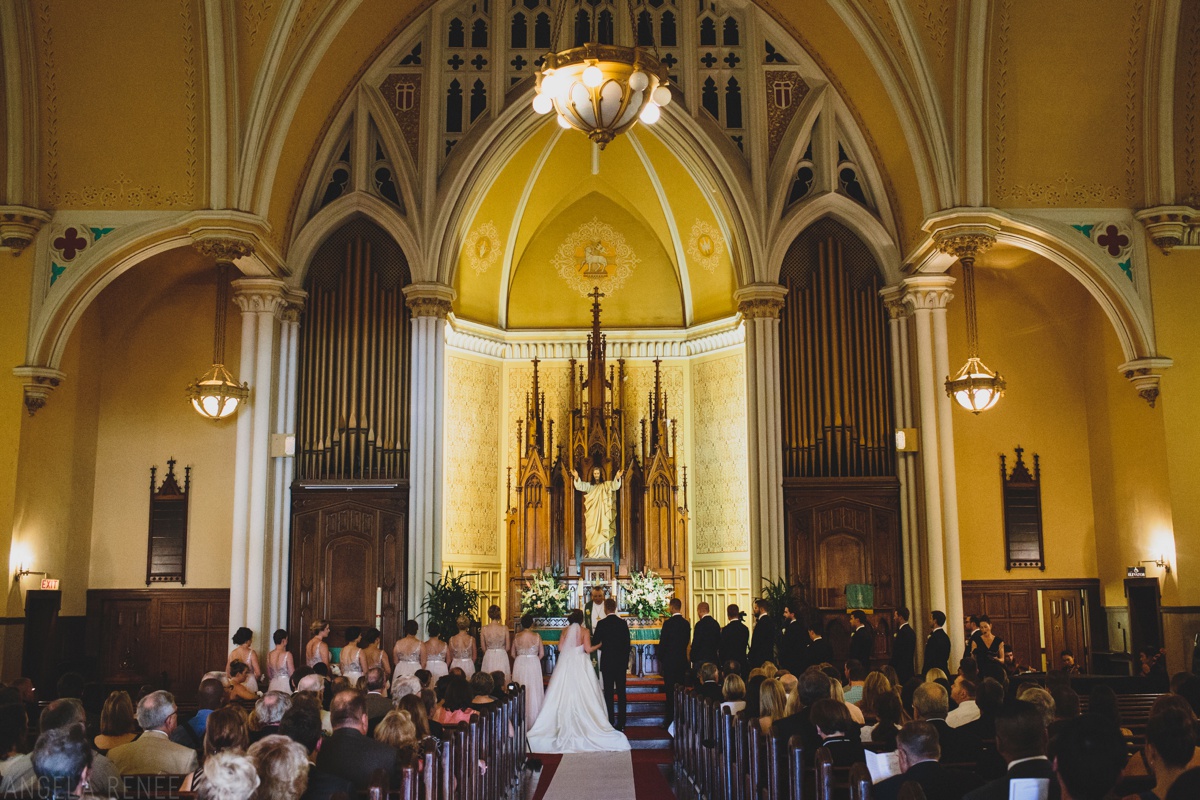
(50, 584)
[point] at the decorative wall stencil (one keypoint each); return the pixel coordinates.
(705, 246)
(596, 254)
(639, 382)
(472, 453)
(785, 92)
(1187, 74)
(935, 18)
(483, 247)
(719, 483)
(402, 93)
(68, 242)
(1115, 239)
(254, 14)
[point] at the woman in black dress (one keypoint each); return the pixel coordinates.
(989, 651)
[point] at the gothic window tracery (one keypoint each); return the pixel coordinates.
(721, 59)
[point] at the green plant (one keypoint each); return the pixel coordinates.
(646, 596)
(778, 592)
(545, 595)
(449, 597)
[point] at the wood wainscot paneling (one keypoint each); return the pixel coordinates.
(164, 637)
(1017, 617)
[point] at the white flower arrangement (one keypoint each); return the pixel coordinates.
(646, 596)
(544, 595)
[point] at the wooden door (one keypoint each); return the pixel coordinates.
(349, 561)
(1064, 624)
(1012, 608)
(1145, 614)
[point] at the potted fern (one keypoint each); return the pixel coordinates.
(450, 596)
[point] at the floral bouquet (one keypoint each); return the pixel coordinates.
(544, 595)
(646, 596)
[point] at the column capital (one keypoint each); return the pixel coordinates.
(38, 383)
(928, 292)
(429, 299)
(293, 305)
(893, 301)
(18, 226)
(223, 249)
(965, 241)
(259, 294)
(1145, 375)
(1171, 226)
(760, 300)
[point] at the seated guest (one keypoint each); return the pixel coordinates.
(708, 682)
(425, 677)
(889, 717)
(229, 775)
(733, 692)
(1187, 786)
(226, 730)
(118, 725)
(62, 763)
(397, 731)
(1021, 739)
(481, 687)
(989, 699)
(104, 778)
(1103, 703)
(348, 753)
(856, 676)
(1041, 699)
(1089, 755)
(931, 703)
(14, 724)
(153, 753)
(302, 724)
(753, 690)
(415, 706)
(378, 702)
(455, 707)
(282, 767)
(875, 686)
(836, 692)
(772, 704)
(833, 724)
(963, 693)
(1066, 706)
(268, 712)
(403, 686)
(918, 751)
(969, 668)
(1170, 747)
(814, 687)
(239, 677)
(211, 697)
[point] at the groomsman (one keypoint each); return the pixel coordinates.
(735, 638)
(819, 650)
(762, 646)
(937, 646)
(862, 640)
(793, 640)
(904, 645)
(706, 639)
(612, 634)
(673, 653)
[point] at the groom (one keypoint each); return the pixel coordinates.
(612, 634)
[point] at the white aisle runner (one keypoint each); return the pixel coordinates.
(581, 776)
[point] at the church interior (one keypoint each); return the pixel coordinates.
(438, 295)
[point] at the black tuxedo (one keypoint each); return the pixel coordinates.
(937, 652)
(798, 724)
(862, 642)
(819, 652)
(998, 789)
(673, 656)
(712, 691)
(735, 640)
(793, 641)
(939, 783)
(706, 642)
(762, 646)
(904, 651)
(958, 746)
(612, 634)
(350, 755)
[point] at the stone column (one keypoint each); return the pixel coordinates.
(760, 304)
(428, 304)
(924, 294)
(260, 300)
(283, 464)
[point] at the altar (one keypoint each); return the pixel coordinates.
(643, 637)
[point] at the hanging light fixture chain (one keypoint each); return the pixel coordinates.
(968, 265)
(556, 35)
(222, 307)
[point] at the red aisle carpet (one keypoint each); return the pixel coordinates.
(649, 782)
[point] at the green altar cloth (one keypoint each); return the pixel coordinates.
(637, 635)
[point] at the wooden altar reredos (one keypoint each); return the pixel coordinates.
(545, 513)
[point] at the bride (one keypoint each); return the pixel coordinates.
(573, 718)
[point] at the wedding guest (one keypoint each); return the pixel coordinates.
(1170, 747)
(227, 729)
(772, 704)
(282, 767)
(229, 775)
(707, 675)
(317, 651)
(833, 724)
(890, 717)
(918, 751)
(118, 723)
(931, 703)
(62, 762)
(967, 711)
(706, 638)
(455, 707)
(14, 724)
(243, 651)
(417, 712)
(875, 686)
(733, 691)
(856, 677)
(1089, 755)
(379, 703)
(239, 682)
(397, 731)
(210, 697)
(404, 686)
(348, 753)
(482, 686)
(1103, 703)
(268, 712)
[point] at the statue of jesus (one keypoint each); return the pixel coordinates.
(599, 513)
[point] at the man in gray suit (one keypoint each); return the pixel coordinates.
(104, 779)
(153, 753)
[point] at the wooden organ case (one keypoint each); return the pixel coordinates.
(841, 493)
(545, 512)
(350, 499)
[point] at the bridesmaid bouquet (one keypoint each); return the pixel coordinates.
(544, 595)
(646, 596)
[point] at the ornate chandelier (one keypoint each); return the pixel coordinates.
(215, 394)
(601, 89)
(976, 388)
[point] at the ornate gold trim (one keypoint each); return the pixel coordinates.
(18, 226)
(429, 299)
(38, 383)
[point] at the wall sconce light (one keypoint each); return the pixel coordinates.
(22, 571)
(1161, 563)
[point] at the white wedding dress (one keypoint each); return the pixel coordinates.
(574, 718)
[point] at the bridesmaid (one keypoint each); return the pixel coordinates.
(462, 647)
(371, 655)
(240, 687)
(279, 665)
(316, 651)
(527, 668)
(433, 654)
(243, 651)
(407, 651)
(496, 644)
(351, 657)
